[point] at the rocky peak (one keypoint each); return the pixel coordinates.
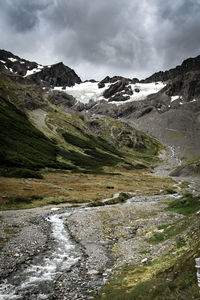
(113, 79)
(53, 75)
(15, 64)
(56, 75)
(188, 65)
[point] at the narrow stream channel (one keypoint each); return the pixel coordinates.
(36, 281)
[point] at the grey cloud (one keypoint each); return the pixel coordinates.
(100, 37)
(21, 15)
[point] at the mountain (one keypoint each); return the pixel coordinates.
(52, 75)
(166, 105)
(39, 130)
(188, 65)
(89, 149)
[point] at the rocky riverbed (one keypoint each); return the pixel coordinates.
(69, 252)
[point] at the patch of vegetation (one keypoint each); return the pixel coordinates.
(172, 276)
(91, 161)
(2, 242)
(20, 172)
(96, 203)
(163, 226)
(157, 238)
(185, 205)
(169, 191)
(170, 231)
(23, 200)
(120, 199)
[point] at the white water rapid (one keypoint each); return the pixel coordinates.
(38, 278)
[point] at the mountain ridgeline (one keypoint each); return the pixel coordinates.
(81, 156)
(37, 136)
(46, 124)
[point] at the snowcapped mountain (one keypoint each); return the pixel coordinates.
(165, 105)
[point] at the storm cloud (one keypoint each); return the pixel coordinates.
(132, 38)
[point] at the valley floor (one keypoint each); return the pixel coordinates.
(69, 249)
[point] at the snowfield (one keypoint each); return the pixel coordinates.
(86, 91)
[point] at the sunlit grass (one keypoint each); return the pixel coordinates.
(76, 188)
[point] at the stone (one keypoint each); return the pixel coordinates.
(93, 272)
(144, 261)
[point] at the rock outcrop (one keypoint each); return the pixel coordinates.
(56, 75)
(188, 65)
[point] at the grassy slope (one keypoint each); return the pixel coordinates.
(75, 135)
(22, 146)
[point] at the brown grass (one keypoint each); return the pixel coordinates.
(58, 188)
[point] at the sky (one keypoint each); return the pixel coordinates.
(131, 38)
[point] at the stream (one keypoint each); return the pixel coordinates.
(40, 277)
(35, 282)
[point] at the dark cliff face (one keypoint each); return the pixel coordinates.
(183, 80)
(56, 75)
(186, 85)
(15, 64)
(188, 65)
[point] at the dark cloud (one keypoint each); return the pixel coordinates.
(100, 37)
(21, 15)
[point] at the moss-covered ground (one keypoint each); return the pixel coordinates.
(171, 275)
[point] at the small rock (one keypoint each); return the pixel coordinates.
(160, 230)
(93, 272)
(144, 261)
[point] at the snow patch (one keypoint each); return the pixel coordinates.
(86, 91)
(12, 59)
(2, 61)
(35, 70)
(145, 89)
(173, 98)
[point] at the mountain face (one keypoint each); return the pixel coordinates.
(188, 65)
(166, 105)
(56, 75)
(53, 75)
(40, 128)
